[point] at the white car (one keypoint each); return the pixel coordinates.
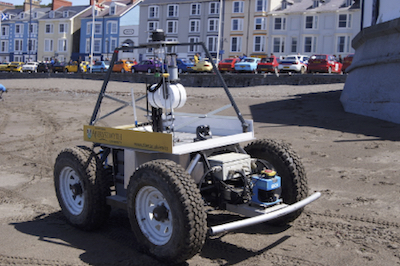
(294, 63)
(30, 67)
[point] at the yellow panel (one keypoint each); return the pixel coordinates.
(153, 141)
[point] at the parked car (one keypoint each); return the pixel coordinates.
(30, 67)
(123, 66)
(71, 67)
(247, 64)
(184, 65)
(148, 66)
(100, 66)
(268, 64)
(15, 67)
(203, 65)
(324, 63)
(4, 66)
(294, 63)
(347, 62)
(58, 67)
(44, 67)
(228, 64)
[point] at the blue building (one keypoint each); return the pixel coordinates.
(110, 17)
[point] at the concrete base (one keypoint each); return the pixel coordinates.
(371, 87)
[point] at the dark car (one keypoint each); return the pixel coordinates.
(268, 64)
(347, 62)
(324, 63)
(184, 65)
(59, 67)
(228, 64)
(44, 67)
(146, 66)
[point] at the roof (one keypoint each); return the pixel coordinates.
(123, 7)
(73, 11)
(307, 6)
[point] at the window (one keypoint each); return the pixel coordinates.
(113, 10)
(97, 46)
(344, 21)
(4, 46)
(237, 24)
(153, 11)
(343, 44)
(212, 43)
(193, 48)
(310, 43)
(33, 29)
(32, 45)
(278, 44)
(22, 15)
(280, 23)
(62, 28)
(4, 31)
(51, 14)
(152, 25)
(62, 45)
(65, 14)
(172, 11)
(315, 3)
(236, 44)
(172, 26)
(48, 45)
(171, 49)
(87, 47)
(195, 9)
(35, 14)
(349, 2)
(259, 44)
(48, 28)
(238, 7)
(213, 24)
(214, 8)
(19, 28)
(97, 28)
(259, 24)
(261, 5)
(18, 45)
(284, 5)
(194, 25)
(293, 48)
(311, 22)
(113, 45)
(112, 27)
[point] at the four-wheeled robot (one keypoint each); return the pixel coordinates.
(171, 169)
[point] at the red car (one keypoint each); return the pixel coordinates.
(324, 63)
(228, 64)
(268, 64)
(347, 62)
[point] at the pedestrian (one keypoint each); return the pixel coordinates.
(340, 59)
(2, 90)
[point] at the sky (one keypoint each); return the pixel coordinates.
(45, 2)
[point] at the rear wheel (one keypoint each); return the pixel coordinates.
(303, 70)
(149, 70)
(166, 212)
(81, 187)
(123, 70)
(133, 70)
(288, 166)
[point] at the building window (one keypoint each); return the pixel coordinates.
(62, 45)
(293, 48)
(194, 25)
(33, 29)
(349, 2)
(311, 22)
(173, 11)
(310, 43)
(88, 45)
(22, 15)
(212, 43)
(65, 14)
(259, 24)
(153, 11)
(278, 44)
(193, 48)
(237, 24)
(112, 27)
(343, 44)
(62, 28)
(32, 45)
(344, 21)
(113, 10)
(18, 45)
(259, 44)
(19, 28)
(238, 7)
(195, 9)
(35, 14)
(4, 46)
(236, 44)
(97, 28)
(113, 45)
(48, 28)
(97, 46)
(48, 45)
(213, 24)
(261, 5)
(4, 31)
(152, 25)
(280, 23)
(171, 49)
(172, 26)
(51, 14)
(214, 8)
(315, 3)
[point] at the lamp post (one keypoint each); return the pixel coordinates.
(107, 48)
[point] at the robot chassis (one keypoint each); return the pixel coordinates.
(171, 170)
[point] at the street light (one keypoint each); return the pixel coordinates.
(107, 48)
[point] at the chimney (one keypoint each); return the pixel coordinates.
(27, 5)
(60, 3)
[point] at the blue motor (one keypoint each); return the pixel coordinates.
(266, 188)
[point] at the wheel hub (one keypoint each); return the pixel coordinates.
(76, 190)
(161, 213)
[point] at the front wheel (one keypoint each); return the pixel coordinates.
(81, 187)
(133, 70)
(149, 70)
(288, 166)
(166, 212)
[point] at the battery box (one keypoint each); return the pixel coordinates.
(231, 163)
